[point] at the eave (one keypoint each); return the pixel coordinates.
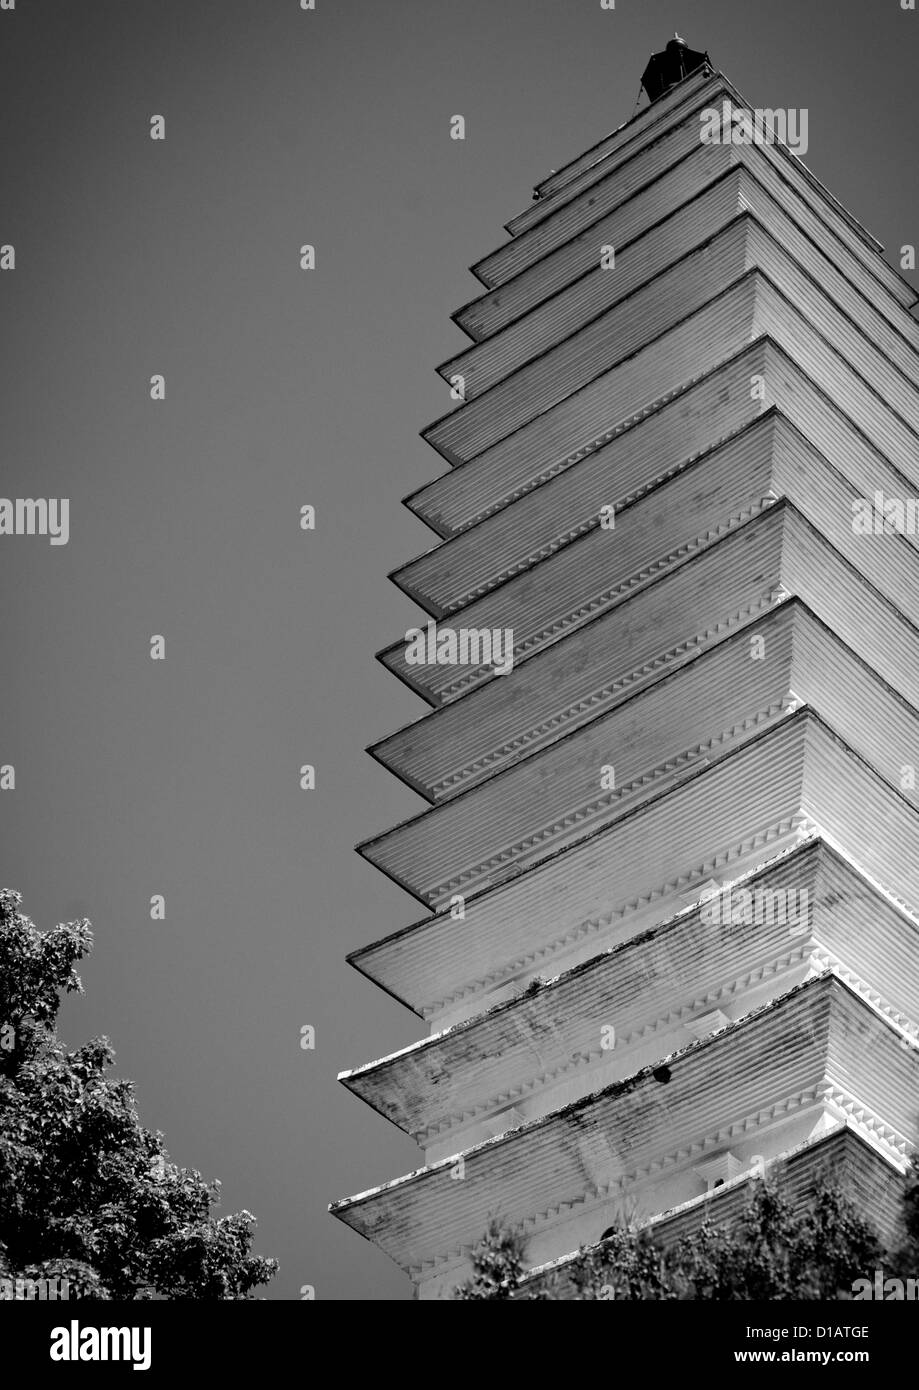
(508, 820)
(561, 186)
(655, 987)
(662, 111)
(818, 1050)
(629, 645)
(607, 183)
(689, 428)
(551, 311)
(729, 816)
(753, 306)
(570, 365)
(693, 509)
(844, 1157)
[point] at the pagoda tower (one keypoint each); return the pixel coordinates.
(669, 865)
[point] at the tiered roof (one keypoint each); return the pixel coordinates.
(733, 651)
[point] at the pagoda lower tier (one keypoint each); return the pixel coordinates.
(791, 1070)
(842, 1158)
(755, 937)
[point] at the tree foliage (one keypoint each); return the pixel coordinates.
(498, 1265)
(87, 1193)
(772, 1251)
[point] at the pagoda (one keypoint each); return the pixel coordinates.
(668, 869)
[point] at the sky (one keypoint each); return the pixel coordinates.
(284, 388)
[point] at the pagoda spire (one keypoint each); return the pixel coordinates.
(669, 67)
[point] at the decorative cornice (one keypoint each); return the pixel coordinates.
(597, 1194)
(825, 960)
(598, 805)
(601, 698)
(582, 1060)
(839, 1127)
(700, 874)
(862, 1117)
(607, 598)
(848, 1107)
(592, 522)
(597, 443)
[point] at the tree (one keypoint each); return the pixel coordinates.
(86, 1192)
(771, 1251)
(775, 1252)
(627, 1264)
(497, 1264)
(907, 1257)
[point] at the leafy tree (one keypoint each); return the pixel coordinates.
(497, 1265)
(628, 1264)
(86, 1192)
(775, 1252)
(771, 1251)
(907, 1257)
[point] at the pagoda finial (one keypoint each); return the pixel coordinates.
(666, 69)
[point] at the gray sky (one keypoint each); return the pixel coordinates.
(181, 777)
